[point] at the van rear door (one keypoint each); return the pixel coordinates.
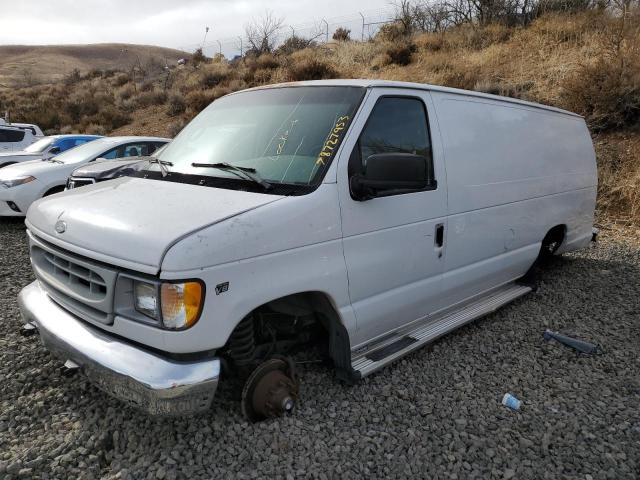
(11, 139)
(393, 244)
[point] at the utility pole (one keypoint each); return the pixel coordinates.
(219, 47)
(293, 32)
(240, 38)
(206, 31)
(362, 36)
(326, 35)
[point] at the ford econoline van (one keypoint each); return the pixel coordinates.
(356, 219)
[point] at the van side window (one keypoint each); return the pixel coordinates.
(396, 125)
(11, 135)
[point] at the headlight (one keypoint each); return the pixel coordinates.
(17, 181)
(146, 298)
(175, 305)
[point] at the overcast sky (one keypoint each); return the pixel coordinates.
(171, 23)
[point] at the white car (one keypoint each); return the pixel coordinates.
(45, 148)
(362, 218)
(22, 184)
(16, 136)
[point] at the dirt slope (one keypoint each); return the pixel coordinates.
(31, 64)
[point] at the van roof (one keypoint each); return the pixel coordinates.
(415, 86)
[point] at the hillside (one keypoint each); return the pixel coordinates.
(32, 64)
(587, 62)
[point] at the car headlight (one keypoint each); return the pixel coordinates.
(13, 182)
(175, 305)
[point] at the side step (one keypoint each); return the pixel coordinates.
(408, 341)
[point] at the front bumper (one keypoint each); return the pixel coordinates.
(21, 195)
(143, 379)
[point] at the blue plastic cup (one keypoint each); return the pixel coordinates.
(511, 402)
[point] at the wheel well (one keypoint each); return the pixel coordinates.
(6, 164)
(52, 190)
(553, 239)
(289, 323)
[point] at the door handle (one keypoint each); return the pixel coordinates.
(439, 237)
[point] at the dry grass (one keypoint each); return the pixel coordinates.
(46, 64)
(587, 62)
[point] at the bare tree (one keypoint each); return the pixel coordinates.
(262, 33)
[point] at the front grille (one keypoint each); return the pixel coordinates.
(83, 281)
(82, 286)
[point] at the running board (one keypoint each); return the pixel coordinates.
(408, 341)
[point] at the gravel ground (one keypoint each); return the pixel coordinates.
(435, 414)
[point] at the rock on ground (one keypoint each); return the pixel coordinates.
(434, 414)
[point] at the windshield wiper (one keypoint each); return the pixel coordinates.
(162, 164)
(243, 172)
(52, 160)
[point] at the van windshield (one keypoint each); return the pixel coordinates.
(285, 135)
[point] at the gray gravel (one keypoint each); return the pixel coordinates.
(436, 413)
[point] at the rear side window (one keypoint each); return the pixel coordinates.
(11, 136)
(111, 154)
(396, 125)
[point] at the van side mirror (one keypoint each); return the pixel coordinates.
(391, 174)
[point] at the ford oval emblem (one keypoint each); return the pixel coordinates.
(61, 226)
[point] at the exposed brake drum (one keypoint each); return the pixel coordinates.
(271, 390)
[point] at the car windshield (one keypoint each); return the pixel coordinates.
(40, 146)
(282, 135)
(86, 152)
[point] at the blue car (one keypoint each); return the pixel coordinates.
(45, 148)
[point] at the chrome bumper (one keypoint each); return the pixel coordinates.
(150, 382)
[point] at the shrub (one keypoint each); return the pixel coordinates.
(400, 54)
(126, 92)
(176, 105)
(606, 92)
(392, 32)
(308, 66)
(294, 44)
(146, 99)
(95, 129)
(198, 100)
(73, 77)
(120, 79)
(215, 75)
(342, 35)
(146, 86)
(267, 61)
(174, 127)
(110, 117)
(198, 57)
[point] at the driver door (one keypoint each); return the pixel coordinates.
(393, 244)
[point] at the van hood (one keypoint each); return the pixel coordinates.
(133, 221)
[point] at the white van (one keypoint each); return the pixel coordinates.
(356, 219)
(15, 137)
